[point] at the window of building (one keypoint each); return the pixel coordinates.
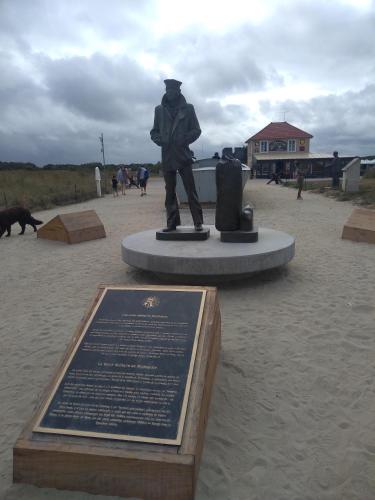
(291, 145)
(263, 146)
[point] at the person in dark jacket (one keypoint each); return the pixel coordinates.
(175, 128)
(335, 170)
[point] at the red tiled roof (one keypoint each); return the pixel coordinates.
(280, 130)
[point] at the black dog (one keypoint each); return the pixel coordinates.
(9, 216)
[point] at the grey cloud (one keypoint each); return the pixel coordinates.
(69, 146)
(54, 109)
(248, 56)
(213, 111)
(118, 19)
(216, 65)
(60, 119)
(344, 122)
(53, 24)
(322, 42)
(15, 84)
(37, 21)
(319, 42)
(100, 88)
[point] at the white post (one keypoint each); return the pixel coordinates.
(98, 182)
(351, 175)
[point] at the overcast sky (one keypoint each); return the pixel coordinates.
(71, 70)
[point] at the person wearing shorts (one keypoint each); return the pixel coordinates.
(142, 179)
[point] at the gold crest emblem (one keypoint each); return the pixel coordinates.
(150, 302)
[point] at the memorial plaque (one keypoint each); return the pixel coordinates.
(126, 410)
(129, 376)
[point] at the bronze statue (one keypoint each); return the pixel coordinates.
(228, 195)
(235, 222)
(246, 218)
(175, 128)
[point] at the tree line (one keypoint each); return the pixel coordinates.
(153, 168)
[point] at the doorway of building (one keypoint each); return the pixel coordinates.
(280, 168)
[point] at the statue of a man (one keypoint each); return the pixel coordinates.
(175, 127)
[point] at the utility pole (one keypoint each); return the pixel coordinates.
(101, 139)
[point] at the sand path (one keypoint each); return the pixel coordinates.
(293, 409)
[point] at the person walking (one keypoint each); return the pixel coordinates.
(142, 176)
(275, 178)
(300, 182)
(120, 179)
(131, 179)
(114, 185)
(335, 170)
(125, 174)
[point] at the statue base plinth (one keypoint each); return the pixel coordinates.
(208, 261)
(183, 233)
(239, 236)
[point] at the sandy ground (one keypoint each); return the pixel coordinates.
(293, 408)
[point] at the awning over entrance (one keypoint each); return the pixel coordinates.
(296, 156)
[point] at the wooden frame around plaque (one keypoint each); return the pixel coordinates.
(125, 437)
(124, 468)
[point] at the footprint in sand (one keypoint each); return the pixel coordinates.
(344, 425)
(363, 309)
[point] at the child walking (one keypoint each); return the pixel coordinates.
(142, 176)
(114, 185)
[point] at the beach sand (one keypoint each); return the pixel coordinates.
(293, 409)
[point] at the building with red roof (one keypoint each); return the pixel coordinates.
(280, 130)
(280, 146)
(278, 137)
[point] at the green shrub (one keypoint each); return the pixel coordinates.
(370, 173)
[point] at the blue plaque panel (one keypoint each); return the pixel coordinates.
(129, 374)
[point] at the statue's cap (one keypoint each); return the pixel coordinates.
(172, 84)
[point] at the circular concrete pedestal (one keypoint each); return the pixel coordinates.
(210, 259)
